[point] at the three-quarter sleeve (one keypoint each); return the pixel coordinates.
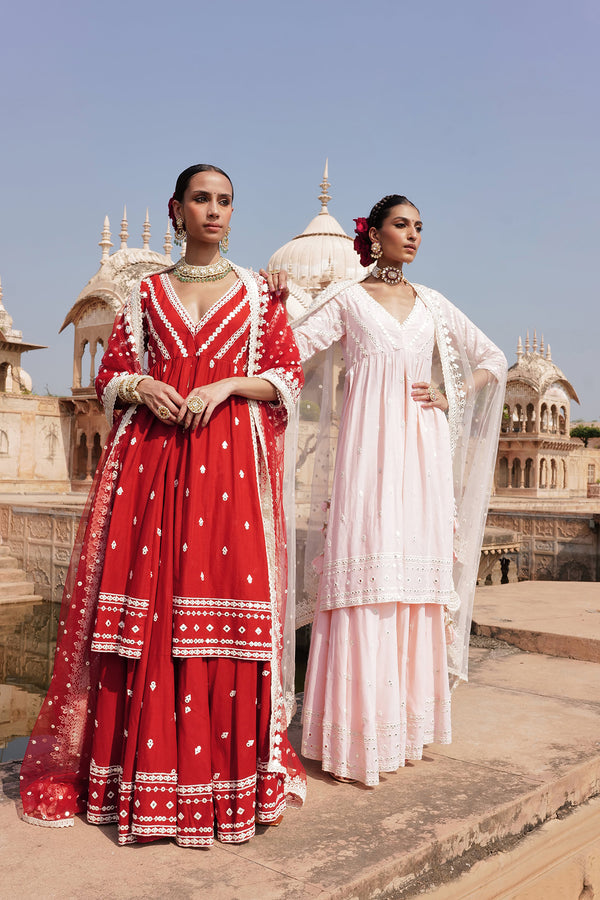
(481, 352)
(123, 354)
(320, 329)
(278, 360)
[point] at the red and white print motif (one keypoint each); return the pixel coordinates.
(160, 770)
(212, 562)
(149, 707)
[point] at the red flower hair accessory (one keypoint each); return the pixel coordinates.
(362, 244)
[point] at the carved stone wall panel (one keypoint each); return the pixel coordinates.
(60, 578)
(572, 567)
(4, 521)
(41, 576)
(42, 541)
(17, 548)
(17, 526)
(544, 546)
(571, 528)
(544, 527)
(40, 526)
(63, 529)
(544, 568)
(62, 555)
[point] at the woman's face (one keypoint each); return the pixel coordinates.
(207, 207)
(399, 234)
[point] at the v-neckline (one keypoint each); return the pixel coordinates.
(181, 310)
(379, 305)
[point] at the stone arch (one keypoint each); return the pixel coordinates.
(505, 425)
(529, 473)
(82, 457)
(544, 417)
(543, 473)
(6, 377)
(3, 443)
(517, 418)
(96, 451)
(530, 418)
(515, 480)
(77, 373)
(574, 570)
(503, 472)
(562, 420)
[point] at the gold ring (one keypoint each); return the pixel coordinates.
(432, 394)
(195, 404)
(163, 412)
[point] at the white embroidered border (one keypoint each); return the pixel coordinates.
(234, 337)
(163, 316)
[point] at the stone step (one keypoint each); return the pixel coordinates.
(9, 575)
(21, 598)
(16, 590)
(559, 618)
(7, 561)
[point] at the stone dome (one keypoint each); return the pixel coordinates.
(119, 272)
(535, 368)
(321, 254)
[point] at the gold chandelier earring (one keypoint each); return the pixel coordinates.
(180, 233)
(225, 240)
(376, 251)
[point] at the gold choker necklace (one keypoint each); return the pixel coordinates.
(183, 271)
(389, 274)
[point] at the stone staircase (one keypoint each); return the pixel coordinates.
(14, 586)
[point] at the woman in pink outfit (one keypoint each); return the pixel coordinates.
(422, 400)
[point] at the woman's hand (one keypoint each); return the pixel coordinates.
(423, 393)
(210, 396)
(158, 397)
(277, 284)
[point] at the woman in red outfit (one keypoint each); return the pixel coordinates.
(166, 712)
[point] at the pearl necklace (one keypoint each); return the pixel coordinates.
(183, 271)
(389, 274)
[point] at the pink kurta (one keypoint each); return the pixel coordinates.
(377, 682)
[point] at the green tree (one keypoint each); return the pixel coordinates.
(585, 432)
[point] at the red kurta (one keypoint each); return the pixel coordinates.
(181, 561)
(186, 517)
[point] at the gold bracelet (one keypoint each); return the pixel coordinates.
(128, 388)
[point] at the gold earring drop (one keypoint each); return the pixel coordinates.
(180, 233)
(225, 240)
(376, 251)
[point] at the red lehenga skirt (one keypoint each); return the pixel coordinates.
(180, 749)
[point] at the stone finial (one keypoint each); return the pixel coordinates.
(124, 234)
(324, 196)
(542, 348)
(519, 348)
(146, 231)
(549, 354)
(527, 347)
(168, 244)
(106, 242)
(535, 343)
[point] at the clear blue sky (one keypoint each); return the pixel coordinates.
(485, 114)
